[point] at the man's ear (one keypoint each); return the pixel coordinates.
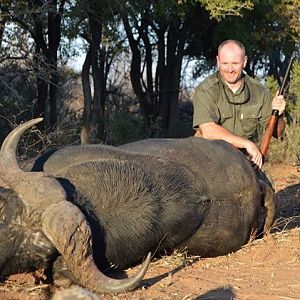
(245, 61)
(218, 63)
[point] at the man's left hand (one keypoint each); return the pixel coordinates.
(279, 103)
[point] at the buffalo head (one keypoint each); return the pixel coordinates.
(38, 223)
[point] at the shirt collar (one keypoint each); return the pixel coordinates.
(242, 95)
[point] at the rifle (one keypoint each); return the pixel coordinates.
(265, 142)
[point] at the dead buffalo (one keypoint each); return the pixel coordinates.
(87, 207)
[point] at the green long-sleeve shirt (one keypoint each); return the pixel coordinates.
(244, 113)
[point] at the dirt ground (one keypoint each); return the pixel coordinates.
(266, 269)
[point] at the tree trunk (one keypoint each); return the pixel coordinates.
(168, 99)
(42, 94)
(158, 98)
(46, 57)
(97, 120)
(3, 21)
(87, 95)
(136, 74)
(170, 79)
(54, 37)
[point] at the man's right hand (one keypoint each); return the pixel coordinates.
(254, 153)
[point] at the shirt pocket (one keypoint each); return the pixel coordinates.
(249, 118)
(225, 115)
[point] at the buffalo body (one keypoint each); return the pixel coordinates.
(114, 205)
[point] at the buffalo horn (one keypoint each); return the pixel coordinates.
(8, 157)
(66, 227)
(36, 189)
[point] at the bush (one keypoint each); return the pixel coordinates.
(124, 129)
(294, 99)
(286, 149)
(18, 94)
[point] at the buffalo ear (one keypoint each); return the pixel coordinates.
(269, 204)
(66, 227)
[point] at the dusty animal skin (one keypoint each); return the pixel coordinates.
(75, 293)
(84, 208)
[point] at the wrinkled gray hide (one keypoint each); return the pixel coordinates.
(191, 192)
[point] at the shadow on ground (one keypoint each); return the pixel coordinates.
(119, 274)
(218, 294)
(288, 208)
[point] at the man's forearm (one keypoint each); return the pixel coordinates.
(213, 131)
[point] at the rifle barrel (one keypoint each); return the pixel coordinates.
(281, 90)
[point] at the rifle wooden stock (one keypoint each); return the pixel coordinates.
(265, 142)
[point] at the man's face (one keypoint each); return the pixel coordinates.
(231, 62)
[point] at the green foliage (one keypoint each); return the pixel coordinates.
(294, 99)
(286, 149)
(181, 129)
(292, 11)
(124, 128)
(293, 96)
(266, 33)
(272, 84)
(221, 8)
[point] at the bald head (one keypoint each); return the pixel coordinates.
(232, 44)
